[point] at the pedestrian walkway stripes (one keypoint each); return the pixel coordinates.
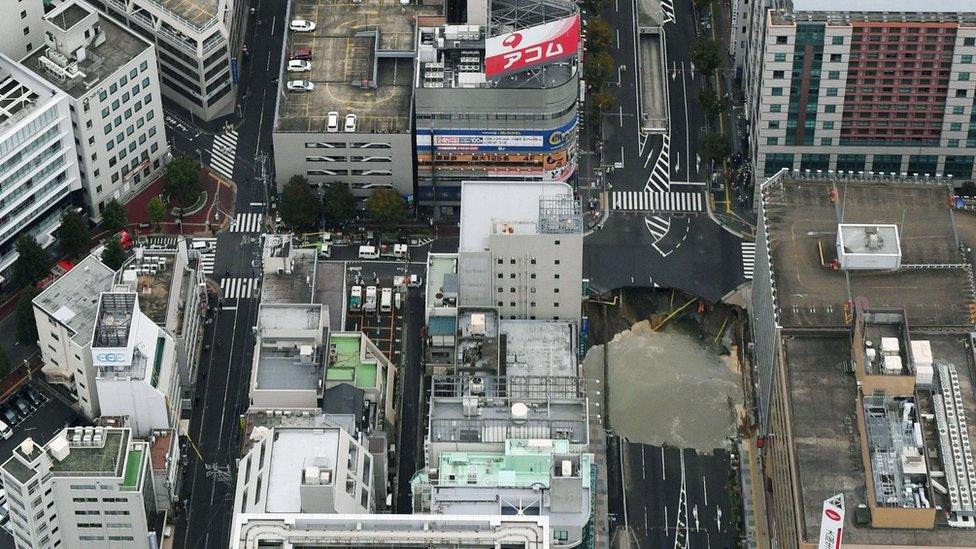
(208, 257)
(748, 259)
(247, 222)
(660, 178)
(161, 242)
(667, 8)
(642, 201)
(223, 152)
(238, 288)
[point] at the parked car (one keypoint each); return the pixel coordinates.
(35, 397)
(300, 86)
(299, 65)
(302, 53)
(332, 121)
(22, 406)
(413, 281)
(350, 123)
(301, 25)
(10, 416)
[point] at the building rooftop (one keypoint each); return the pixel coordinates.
(108, 459)
(68, 17)
(362, 63)
(291, 360)
(787, 12)
(502, 207)
(551, 407)
(19, 471)
(539, 347)
(523, 464)
(73, 298)
(887, 6)
(151, 277)
(330, 277)
(348, 365)
(826, 436)
(290, 317)
(118, 48)
(291, 452)
(294, 287)
(440, 267)
(198, 13)
(933, 285)
(116, 313)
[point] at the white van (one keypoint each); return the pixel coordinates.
(5, 430)
(368, 252)
(386, 300)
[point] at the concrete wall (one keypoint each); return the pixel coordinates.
(21, 15)
(352, 154)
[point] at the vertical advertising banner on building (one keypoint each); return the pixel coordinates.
(526, 48)
(832, 523)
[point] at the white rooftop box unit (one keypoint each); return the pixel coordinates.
(892, 365)
(890, 346)
(478, 324)
(923, 374)
(59, 448)
(868, 247)
(922, 353)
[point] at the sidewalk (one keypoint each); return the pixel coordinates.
(219, 206)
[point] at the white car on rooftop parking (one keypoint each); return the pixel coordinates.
(300, 86)
(350, 123)
(299, 65)
(302, 25)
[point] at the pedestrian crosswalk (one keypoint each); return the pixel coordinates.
(238, 288)
(247, 222)
(660, 178)
(748, 259)
(223, 152)
(160, 241)
(643, 201)
(207, 256)
(667, 9)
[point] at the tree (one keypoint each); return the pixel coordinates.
(706, 56)
(599, 35)
(74, 234)
(715, 147)
(710, 101)
(299, 207)
(31, 264)
(603, 100)
(598, 68)
(157, 210)
(26, 327)
(113, 255)
(183, 181)
(113, 217)
(386, 207)
(338, 204)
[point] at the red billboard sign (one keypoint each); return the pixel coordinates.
(526, 48)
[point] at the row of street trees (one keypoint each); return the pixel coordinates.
(707, 56)
(303, 211)
(598, 65)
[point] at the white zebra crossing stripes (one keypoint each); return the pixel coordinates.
(160, 241)
(660, 178)
(208, 256)
(748, 259)
(642, 201)
(667, 9)
(247, 222)
(238, 288)
(223, 152)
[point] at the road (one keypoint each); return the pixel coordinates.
(658, 231)
(678, 494)
(208, 482)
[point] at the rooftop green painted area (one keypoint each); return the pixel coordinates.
(524, 463)
(133, 466)
(347, 366)
(106, 460)
(19, 471)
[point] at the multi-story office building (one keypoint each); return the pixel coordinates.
(862, 320)
(361, 57)
(110, 77)
(853, 86)
(199, 48)
(88, 487)
(38, 164)
(521, 249)
(496, 97)
(164, 305)
(19, 30)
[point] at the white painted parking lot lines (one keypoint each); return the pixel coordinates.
(748, 259)
(247, 222)
(237, 288)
